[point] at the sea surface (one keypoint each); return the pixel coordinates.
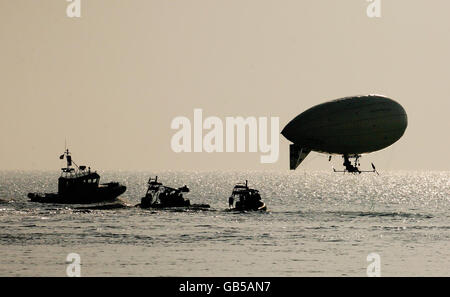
(318, 224)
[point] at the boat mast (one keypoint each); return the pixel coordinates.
(68, 160)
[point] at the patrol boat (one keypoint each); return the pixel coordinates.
(244, 198)
(160, 196)
(78, 185)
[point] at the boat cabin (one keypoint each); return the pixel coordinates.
(153, 185)
(78, 179)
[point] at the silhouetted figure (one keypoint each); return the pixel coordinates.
(230, 202)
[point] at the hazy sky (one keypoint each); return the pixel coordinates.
(111, 81)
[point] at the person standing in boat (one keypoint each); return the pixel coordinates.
(230, 202)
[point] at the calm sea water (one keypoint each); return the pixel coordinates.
(318, 224)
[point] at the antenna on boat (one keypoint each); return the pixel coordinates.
(68, 158)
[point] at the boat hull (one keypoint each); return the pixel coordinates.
(162, 206)
(261, 206)
(106, 192)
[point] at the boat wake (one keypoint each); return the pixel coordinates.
(354, 214)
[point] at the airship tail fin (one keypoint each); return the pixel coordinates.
(296, 155)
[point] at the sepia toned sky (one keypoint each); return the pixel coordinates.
(110, 83)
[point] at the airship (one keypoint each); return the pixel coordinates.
(349, 126)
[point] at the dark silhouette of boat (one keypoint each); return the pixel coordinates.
(78, 185)
(160, 196)
(244, 198)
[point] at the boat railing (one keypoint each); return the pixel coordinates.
(75, 174)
